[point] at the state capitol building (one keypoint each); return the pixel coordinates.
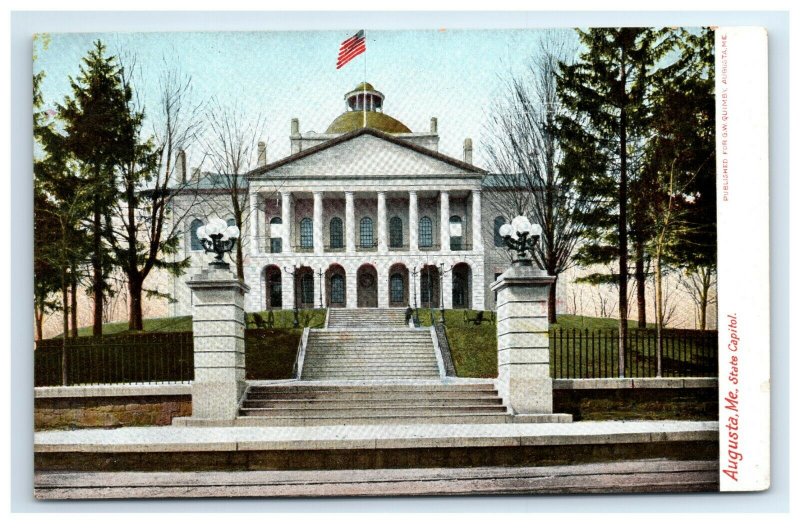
(357, 216)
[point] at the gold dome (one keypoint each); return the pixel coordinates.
(365, 96)
(354, 119)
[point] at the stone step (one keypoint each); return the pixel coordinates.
(343, 333)
(396, 352)
(486, 418)
(375, 361)
(378, 368)
(354, 412)
(366, 358)
(367, 402)
(362, 377)
(359, 374)
(439, 389)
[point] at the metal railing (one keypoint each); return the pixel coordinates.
(584, 353)
(115, 359)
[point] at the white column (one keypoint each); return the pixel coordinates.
(350, 227)
(418, 286)
(447, 287)
(383, 243)
(477, 224)
(286, 218)
(351, 286)
(287, 289)
(255, 243)
(382, 280)
(413, 222)
(319, 242)
(444, 221)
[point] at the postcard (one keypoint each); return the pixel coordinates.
(377, 263)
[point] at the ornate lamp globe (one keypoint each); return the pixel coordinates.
(521, 237)
(218, 238)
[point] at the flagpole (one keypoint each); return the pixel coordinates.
(364, 103)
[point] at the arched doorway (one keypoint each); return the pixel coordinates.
(462, 286)
(304, 282)
(367, 283)
(398, 285)
(429, 286)
(336, 286)
(274, 290)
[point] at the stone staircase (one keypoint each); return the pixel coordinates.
(363, 318)
(368, 367)
(376, 354)
(316, 405)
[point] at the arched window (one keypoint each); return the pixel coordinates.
(455, 233)
(425, 232)
(195, 241)
(396, 288)
(275, 232)
(395, 232)
(498, 223)
(337, 235)
(307, 289)
(306, 233)
(337, 288)
(366, 233)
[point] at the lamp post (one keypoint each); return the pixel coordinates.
(293, 272)
(219, 238)
(442, 272)
(319, 275)
(521, 237)
(414, 273)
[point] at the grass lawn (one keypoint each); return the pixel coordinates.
(271, 353)
(581, 346)
(283, 319)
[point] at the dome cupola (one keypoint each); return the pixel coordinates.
(365, 109)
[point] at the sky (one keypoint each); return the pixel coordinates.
(454, 75)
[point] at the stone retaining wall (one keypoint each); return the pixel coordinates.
(110, 406)
(595, 399)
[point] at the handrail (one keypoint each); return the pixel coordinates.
(297, 370)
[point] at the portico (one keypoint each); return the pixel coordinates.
(360, 216)
(361, 239)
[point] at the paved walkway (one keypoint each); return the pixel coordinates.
(174, 438)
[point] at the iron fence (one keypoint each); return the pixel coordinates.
(114, 359)
(584, 353)
(168, 357)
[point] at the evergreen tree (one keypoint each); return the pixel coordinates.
(98, 131)
(59, 245)
(680, 163)
(607, 91)
(138, 235)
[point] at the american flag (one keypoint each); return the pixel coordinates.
(351, 48)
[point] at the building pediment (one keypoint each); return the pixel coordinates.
(365, 153)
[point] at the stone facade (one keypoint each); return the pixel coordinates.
(371, 217)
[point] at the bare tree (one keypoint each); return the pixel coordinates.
(524, 154)
(700, 282)
(231, 148)
(144, 234)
